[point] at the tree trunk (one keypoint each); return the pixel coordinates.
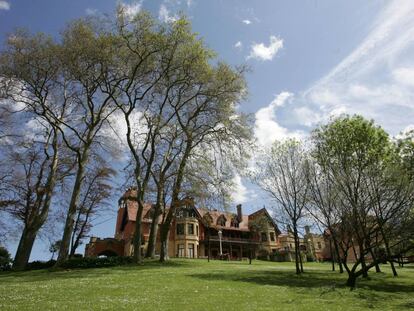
(25, 248)
(332, 254)
(387, 249)
(341, 269)
(300, 261)
(295, 234)
(209, 249)
(69, 223)
(137, 240)
(152, 240)
(351, 282)
(164, 235)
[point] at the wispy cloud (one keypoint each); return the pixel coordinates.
(246, 21)
(238, 45)
(131, 9)
(4, 5)
(262, 52)
(165, 15)
(91, 11)
(375, 80)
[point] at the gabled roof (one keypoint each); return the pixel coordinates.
(132, 208)
(243, 225)
(266, 213)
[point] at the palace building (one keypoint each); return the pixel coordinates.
(193, 229)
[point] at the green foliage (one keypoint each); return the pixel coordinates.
(5, 259)
(350, 142)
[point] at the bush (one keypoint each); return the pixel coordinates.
(38, 265)
(5, 259)
(81, 263)
(93, 262)
(263, 255)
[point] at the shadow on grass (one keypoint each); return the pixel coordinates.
(50, 274)
(310, 279)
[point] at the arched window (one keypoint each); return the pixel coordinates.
(221, 221)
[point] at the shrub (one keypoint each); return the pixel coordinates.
(263, 254)
(5, 259)
(93, 262)
(38, 265)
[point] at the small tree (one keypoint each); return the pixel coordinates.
(54, 248)
(282, 174)
(5, 259)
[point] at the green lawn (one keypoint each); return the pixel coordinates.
(198, 285)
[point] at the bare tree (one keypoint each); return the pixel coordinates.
(282, 174)
(96, 190)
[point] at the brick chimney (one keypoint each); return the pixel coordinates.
(239, 212)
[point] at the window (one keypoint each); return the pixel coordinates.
(319, 245)
(190, 229)
(196, 230)
(221, 221)
(180, 229)
(272, 236)
(191, 250)
(180, 250)
(264, 237)
(234, 222)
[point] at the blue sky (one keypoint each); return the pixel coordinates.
(310, 59)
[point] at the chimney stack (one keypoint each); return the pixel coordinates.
(239, 212)
(307, 230)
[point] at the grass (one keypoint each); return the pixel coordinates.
(199, 285)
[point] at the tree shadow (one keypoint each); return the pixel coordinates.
(309, 279)
(49, 274)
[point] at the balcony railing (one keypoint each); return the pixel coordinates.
(215, 238)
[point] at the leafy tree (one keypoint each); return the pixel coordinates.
(355, 155)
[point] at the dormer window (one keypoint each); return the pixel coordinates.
(221, 221)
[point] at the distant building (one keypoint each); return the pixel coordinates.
(189, 233)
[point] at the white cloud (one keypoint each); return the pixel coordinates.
(117, 129)
(4, 5)
(246, 21)
(267, 129)
(165, 16)
(404, 75)
(238, 45)
(240, 193)
(262, 52)
(132, 9)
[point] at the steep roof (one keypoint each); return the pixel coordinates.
(243, 225)
(132, 208)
